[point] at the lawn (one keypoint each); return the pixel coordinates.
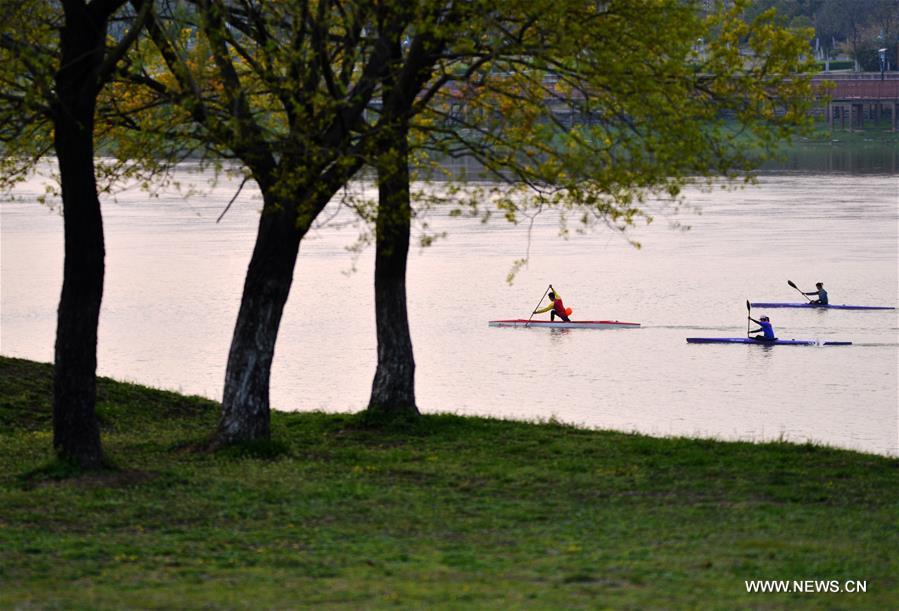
(449, 512)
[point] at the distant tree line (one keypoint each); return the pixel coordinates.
(858, 28)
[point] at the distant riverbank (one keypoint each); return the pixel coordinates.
(449, 512)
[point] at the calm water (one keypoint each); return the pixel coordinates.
(174, 278)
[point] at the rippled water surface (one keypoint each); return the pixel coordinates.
(174, 278)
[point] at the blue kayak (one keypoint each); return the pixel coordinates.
(815, 306)
(776, 342)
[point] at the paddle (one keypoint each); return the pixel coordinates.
(790, 282)
(537, 306)
(748, 314)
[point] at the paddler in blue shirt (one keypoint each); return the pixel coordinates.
(821, 293)
(556, 305)
(765, 327)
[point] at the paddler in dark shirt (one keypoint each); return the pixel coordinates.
(765, 327)
(556, 308)
(821, 293)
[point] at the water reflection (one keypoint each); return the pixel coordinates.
(556, 335)
(865, 158)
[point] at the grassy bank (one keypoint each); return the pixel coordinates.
(451, 512)
(877, 132)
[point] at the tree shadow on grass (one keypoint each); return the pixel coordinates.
(60, 472)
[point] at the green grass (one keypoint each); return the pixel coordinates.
(450, 512)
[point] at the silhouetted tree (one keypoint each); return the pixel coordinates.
(60, 80)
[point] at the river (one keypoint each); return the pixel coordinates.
(174, 278)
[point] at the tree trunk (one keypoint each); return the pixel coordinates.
(393, 389)
(245, 404)
(76, 433)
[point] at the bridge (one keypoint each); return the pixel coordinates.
(857, 96)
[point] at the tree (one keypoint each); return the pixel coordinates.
(881, 33)
(846, 21)
(60, 81)
(393, 388)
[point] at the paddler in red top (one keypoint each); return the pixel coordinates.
(556, 308)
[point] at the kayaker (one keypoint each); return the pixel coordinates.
(765, 327)
(821, 293)
(556, 307)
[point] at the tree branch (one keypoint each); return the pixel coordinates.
(113, 57)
